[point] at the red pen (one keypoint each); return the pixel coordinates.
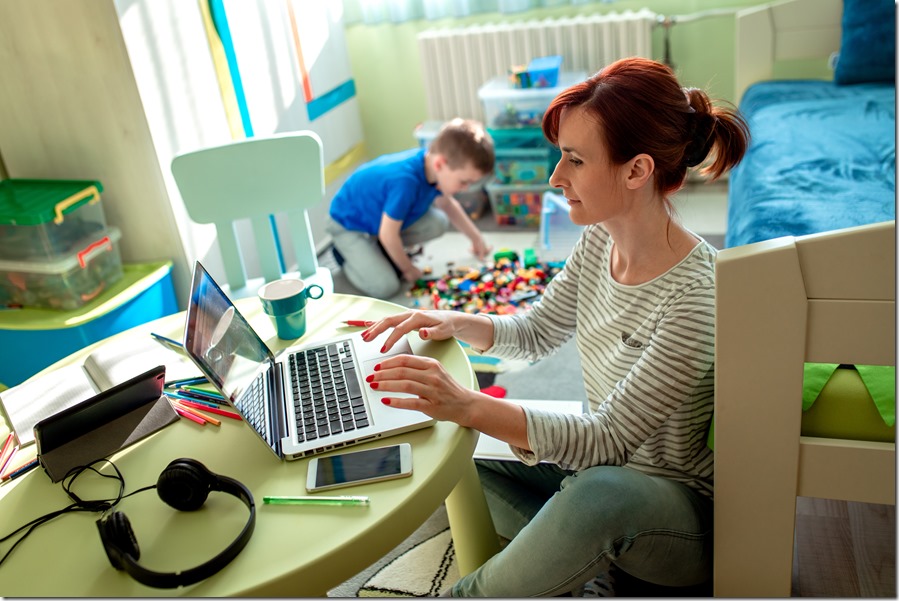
(207, 408)
(358, 323)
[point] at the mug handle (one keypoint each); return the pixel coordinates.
(311, 287)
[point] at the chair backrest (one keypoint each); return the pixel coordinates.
(820, 298)
(255, 179)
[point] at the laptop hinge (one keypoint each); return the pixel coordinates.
(278, 418)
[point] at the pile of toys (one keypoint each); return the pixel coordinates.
(507, 285)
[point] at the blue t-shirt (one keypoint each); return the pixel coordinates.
(394, 184)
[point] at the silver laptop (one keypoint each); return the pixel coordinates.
(307, 399)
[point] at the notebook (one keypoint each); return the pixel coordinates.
(294, 417)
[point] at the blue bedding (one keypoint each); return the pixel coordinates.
(822, 157)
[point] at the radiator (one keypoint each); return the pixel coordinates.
(456, 62)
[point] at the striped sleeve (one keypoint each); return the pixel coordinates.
(647, 354)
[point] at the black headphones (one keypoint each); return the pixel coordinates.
(184, 485)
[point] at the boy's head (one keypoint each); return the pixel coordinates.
(460, 155)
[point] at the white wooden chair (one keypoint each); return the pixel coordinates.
(823, 298)
(254, 179)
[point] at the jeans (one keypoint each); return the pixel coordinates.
(566, 528)
(367, 267)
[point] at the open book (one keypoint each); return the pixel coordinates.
(110, 364)
(491, 448)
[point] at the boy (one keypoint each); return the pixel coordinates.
(385, 206)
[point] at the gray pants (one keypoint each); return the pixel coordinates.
(367, 267)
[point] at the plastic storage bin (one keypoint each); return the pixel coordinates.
(507, 106)
(32, 339)
(516, 205)
(48, 219)
(66, 282)
(523, 165)
(427, 131)
(558, 234)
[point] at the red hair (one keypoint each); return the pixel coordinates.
(642, 108)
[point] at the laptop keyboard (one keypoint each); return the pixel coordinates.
(252, 405)
(326, 392)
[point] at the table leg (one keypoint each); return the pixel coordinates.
(474, 537)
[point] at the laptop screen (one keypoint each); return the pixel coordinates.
(221, 342)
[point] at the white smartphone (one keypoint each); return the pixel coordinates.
(359, 467)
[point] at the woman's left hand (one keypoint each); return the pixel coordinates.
(438, 394)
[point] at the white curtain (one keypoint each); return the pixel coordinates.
(371, 12)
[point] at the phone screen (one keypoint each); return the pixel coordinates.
(359, 465)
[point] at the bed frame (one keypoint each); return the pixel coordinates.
(787, 30)
(827, 298)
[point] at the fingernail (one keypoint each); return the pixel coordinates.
(374, 385)
(424, 333)
(384, 349)
(365, 335)
(385, 401)
(378, 367)
(370, 378)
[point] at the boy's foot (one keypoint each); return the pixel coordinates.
(337, 256)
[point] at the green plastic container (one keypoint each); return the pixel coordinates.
(48, 219)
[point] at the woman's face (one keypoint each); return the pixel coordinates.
(585, 173)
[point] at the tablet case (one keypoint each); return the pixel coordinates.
(103, 424)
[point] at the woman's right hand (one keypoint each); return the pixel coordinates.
(431, 325)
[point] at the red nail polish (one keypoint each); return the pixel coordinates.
(384, 349)
(369, 378)
(385, 401)
(378, 367)
(374, 385)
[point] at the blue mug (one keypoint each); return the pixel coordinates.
(285, 302)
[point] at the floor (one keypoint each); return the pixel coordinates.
(702, 208)
(843, 549)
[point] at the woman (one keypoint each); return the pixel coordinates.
(629, 483)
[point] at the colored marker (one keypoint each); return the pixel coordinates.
(8, 461)
(209, 409)
(358, 323)
(185, 381)
(6, 445)
(204, 391)
(21, 470)
(203, 417)
(338, 501)
(187, 415)
(201, 396)
(172, 344)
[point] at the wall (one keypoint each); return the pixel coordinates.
(387, 72)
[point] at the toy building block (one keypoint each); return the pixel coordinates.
(530, 258)
(505, 253)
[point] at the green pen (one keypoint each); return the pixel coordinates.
(340, 501)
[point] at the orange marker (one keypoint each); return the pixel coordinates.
(199, 415)
(192, 405)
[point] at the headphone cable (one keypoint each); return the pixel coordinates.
(78, 504)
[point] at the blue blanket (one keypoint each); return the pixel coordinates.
(822, 157)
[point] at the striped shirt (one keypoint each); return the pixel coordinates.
(647, 353)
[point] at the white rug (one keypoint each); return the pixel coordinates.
(425, 570)
(423, 565)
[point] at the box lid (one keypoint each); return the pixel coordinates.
(500, 88)
(38, 201)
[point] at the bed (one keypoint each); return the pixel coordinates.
(806, 282)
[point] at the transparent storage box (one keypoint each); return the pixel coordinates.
(66, 282)
(506, 106)
(558, 234)
(48, 219)
(516, 205)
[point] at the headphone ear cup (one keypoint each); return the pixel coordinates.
(118, 539)
(185, 484)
